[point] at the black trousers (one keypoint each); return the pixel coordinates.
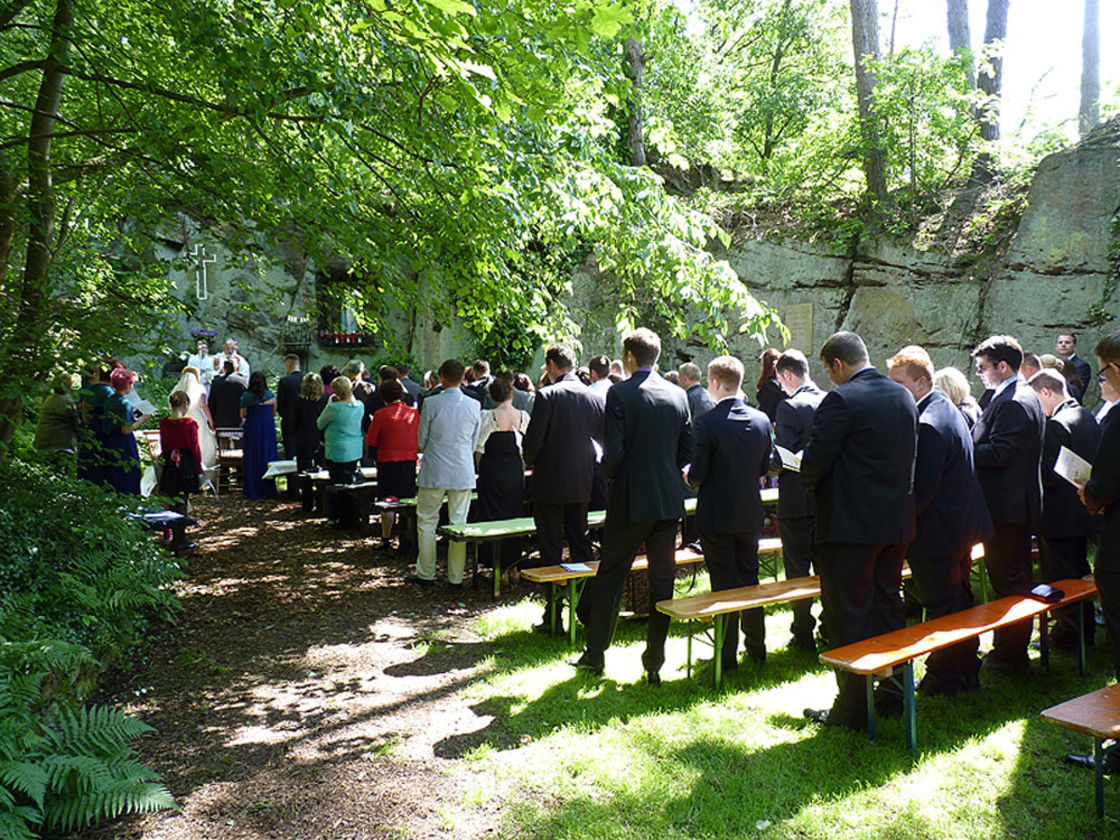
(1008, 556)
(860, 593)
(943, 586)
(621, 543)
(798, 557)
(1067, 557)
(553, 521)
(732, 561)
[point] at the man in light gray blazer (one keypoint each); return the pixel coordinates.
(449, 423)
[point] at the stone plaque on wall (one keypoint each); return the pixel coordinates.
(798, 318)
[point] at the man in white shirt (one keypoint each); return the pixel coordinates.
(204, 362)
(230, 353)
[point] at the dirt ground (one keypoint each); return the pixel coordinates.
(296, 697)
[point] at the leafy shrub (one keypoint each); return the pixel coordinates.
(79, 584)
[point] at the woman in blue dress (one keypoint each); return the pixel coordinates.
(258, 438)
(121, 469)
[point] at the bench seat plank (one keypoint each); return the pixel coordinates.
(1096, 714)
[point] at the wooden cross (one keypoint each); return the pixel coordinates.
(202, 288)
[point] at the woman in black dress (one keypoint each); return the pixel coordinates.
(309, 440)
(501, 472)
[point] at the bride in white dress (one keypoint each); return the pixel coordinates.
(199, 411)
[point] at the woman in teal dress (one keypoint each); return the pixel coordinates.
(258, 438)
(121, 469)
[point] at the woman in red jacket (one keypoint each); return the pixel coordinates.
(182, 457)
(392, 431)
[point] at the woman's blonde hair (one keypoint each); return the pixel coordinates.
(342, 387)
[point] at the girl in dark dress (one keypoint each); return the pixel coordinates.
(122, 457)
(501, 472)
(309, 440)
(182, 455)
(258, 440)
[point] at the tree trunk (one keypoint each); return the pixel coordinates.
(22, 351)
(865, 45)
(960, 37)
(635, 66)
(1089, 114)
(990, 81)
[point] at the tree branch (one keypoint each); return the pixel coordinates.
(22, 67)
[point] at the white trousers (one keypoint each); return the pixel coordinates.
(428, 502)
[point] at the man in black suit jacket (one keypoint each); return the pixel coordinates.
(1007, 443)
(792, 424)
(859, 468)
(560, 446)
(647, 441)
(225, 398)
(731, 452)
(1066, 524)
(412, 390)
(951, 517)
(287, 396)
(699, 400)
(1066, 348)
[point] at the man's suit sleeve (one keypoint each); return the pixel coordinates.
(614, 434)
(929, 466)
(1055, 437)
(425, 423)
(1104, 482)
(787, 426)
(768, 451)
(684, 444)
(538, 428)
(829, 430)
(1006, 433)
(701, 455)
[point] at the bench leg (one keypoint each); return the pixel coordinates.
(688, 661)
(1098, 770)
(908, 706)
(871, 706)
(497, 556)
(719, 629)
(474, 563)
(1044, 639)
(575, 590)
(1081, 636)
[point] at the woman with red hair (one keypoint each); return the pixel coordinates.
(122, 468)
(769, 391)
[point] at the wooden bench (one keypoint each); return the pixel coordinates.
(572, 581)
(1097, 715)
(230, 456)
(320, 480)
(880, 655)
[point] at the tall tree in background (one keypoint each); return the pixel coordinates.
(960, 37)
(865, 44)
(633, 53)
(990, 81)
(1089, 113)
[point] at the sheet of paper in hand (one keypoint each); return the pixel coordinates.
(790, 460)
(1072, 467)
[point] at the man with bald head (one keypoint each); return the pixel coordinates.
(858, 467)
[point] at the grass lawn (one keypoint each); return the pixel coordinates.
(580, 757)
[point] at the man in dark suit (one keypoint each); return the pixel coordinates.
(700, 401)
(560, 446)
(225, 398)
(792, 424)
(287, 396)
(1066, 524)
(412, 390)
(647, 441)
(480, 383)
(951, 518)
(858, 468)
(1007, 443)
(731, 452)
(1066, 347)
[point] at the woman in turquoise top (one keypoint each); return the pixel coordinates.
(258, 438)
(341, 424)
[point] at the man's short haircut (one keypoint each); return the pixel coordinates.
(1000, 348)
(1032, 360)
(1108, 348)
(390, 390)
(1073, 337)
(386, 373)
(342, 386)
(644, 344)
(292, 357)
(600, 366)
(560, 355)
(953, 383)
(845, 346)
(500, 390)
(916, 361)
(227, 367)
(353, 368)
(794, 361)
(402, 370)
(451, 371)
(507, 375)
(727, 370)
(689, 371)
(481, 367)
(1049, 380)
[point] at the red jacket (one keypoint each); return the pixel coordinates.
(393, 431)
(181, 433)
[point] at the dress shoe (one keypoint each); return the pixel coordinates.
(806, 644)
(970, 682)
(1111, 760)
(654, 679)
(456, 586)
(757, 655)
(991, 662)
(419, 581)
(590, 664)
(931, 685)
(826, 718)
